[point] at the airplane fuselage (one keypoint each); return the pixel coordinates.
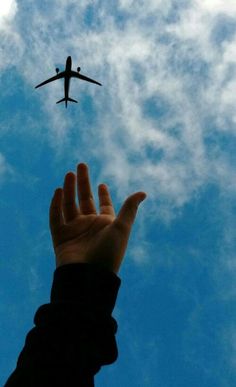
(67, 78)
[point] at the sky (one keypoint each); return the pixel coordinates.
(164, 122)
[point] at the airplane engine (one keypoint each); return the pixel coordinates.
(78, 69)
(57, 70)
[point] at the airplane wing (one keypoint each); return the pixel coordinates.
(80, 76)
(58, 76)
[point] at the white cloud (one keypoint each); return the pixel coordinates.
(159, 57)
(6, 170)
(11, 44)
(3, 165)
(164, 59)
(8, 10)
(216, 6)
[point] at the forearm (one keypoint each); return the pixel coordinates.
(74, 335)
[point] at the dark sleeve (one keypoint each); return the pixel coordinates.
(74, 335)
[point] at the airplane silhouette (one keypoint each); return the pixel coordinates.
(67, 75)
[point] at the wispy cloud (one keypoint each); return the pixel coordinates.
(7, 12)
(6, 170)
(11, 46)
(168, 94)
(163, 122)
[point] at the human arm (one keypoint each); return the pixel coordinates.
(74, 335)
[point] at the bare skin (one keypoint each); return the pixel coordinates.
(79, 233)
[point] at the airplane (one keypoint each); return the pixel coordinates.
(67, 74)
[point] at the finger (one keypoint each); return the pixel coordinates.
(69, 205)
(55, 213)
(128, 211)
(105, 202)
(85, 196)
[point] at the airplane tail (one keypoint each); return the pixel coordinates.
(72, 100)
(67, 99)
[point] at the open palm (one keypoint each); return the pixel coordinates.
(79, 234)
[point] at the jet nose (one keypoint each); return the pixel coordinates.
(68, 62)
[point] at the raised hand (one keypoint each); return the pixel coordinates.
(79, 233)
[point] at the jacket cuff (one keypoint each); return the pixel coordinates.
(87, 284)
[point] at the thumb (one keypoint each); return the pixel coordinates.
(128, 211)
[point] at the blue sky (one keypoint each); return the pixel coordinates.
(164, 122)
